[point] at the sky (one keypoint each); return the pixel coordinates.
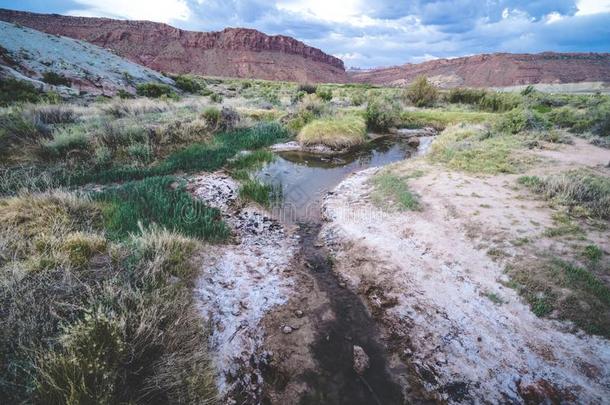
(373, 33)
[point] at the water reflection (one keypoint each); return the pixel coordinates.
(305, 178)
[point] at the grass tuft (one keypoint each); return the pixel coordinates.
(336, 132)
(391, 192)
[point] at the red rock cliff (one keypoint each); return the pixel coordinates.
(233, 52)
(497, 70)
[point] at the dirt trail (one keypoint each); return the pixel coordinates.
(427, 278)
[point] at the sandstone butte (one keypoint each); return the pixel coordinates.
(233, 52)
(497, 70)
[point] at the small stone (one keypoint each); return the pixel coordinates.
(298, 313)
(342, 285)
(286, 329)
(361, 360)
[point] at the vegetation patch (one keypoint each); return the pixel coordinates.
(439, 119)
(583, 191)
(17, 91)
(161, 201)
(154, 90)
(391, 192)
(563, 290)
(336, 132)
(261, 193)
(382, 114)
(421, 93)
(472, 149)
(92, 321)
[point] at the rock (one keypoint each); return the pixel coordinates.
(298, 313)
(361, 360)
(413, 141)
(286, 330)
(232, 52)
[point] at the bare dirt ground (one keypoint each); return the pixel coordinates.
(426, 277)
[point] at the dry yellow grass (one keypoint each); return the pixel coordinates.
(336, 132)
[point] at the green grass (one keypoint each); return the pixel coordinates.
(583, 191)
(335, 132)
(440, 120)
(391, 192)
(472, 149)
(563, 290)
(241, 166)
(161, 201)
(17, 91)
(261, 193)
(593, 253)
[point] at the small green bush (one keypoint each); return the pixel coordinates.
(382, 114)
(187, 84)
(211, 116)
(216, 97)
(65, 141)
(55, 79)
(581, 190)
(154, 90)
(422, 93)
(466, 96)
(521, 119)
(308, 88)
(500, 102)
(324, 94)
(17, 91)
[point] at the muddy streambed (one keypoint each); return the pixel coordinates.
(305, 179)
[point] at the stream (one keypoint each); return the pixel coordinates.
(305, 179)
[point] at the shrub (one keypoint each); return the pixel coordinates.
(308, 88)
(17, 91)
(124, 94)
(324, 94)
(358, 98)
(55, 79)
(382, 114)
(65, 141)
(335, 132)
(581, 190)
(17, 129)
(123, 108)
(51, 113)
(187, 84)
(520, 119)
(216, 98)
(225, 119)
(466, 96)
(154, 90)
(211, 116)
(422, 93)
(140, 152)
(500, 102)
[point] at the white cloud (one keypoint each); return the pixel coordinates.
(340, 11)
(161, 11)
(553, 17)
(587, 7)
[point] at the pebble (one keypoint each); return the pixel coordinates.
(286, 329)
(361, 360)
(298, 313)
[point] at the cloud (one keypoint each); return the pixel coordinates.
(161, 11)
(369, 33)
